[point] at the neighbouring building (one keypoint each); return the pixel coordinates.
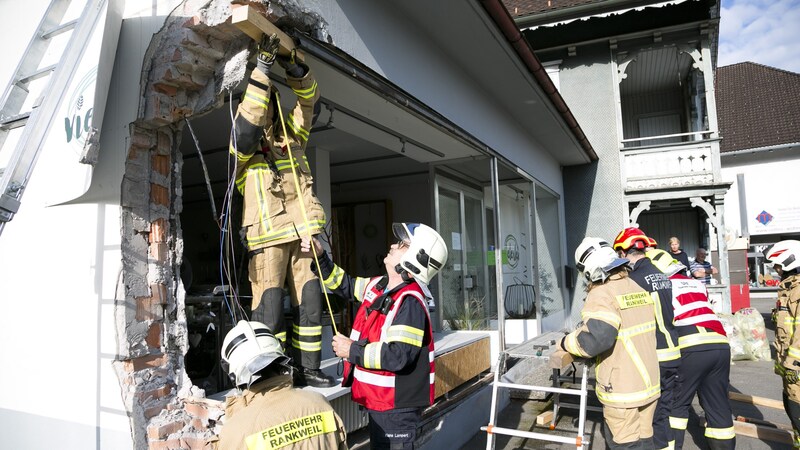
(639, 78)
(759, 120)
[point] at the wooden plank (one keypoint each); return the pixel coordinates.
(456, 367)
(252, 23)
(762, 432)
(781, 426)
(545, 418)
(560, 359)
(761, 401)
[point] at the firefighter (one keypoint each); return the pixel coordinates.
(272, 217)
(631, 243)
(619, 329)
(268, 412)
(389, 354)
(705, 357)
(785, 257)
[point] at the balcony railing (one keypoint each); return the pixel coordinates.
(676, 165)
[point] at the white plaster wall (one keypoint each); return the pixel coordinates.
(60, 264)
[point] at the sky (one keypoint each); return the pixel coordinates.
(761, 31)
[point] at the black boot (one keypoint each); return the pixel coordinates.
(313, 378)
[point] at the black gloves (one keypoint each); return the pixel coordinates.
(267, 51)
(289, 64)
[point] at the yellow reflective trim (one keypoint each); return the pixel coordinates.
(668, 354)
(241, 157)
(636, 330)
(663, 329)
(301, 132)
(281, 336)
(307, 92)
(637, 360)
(794, 352)
(258, 100)
(361, 287)
(406, 334)
(629, 397)
(292, 432)
(307, 346)
(272, 235)
(571, 344)
(372, 355)
(702, 338)
(307, 331)
(678, 423)
(634, 299)
(334, 280)
(611, 318)
(720, 433)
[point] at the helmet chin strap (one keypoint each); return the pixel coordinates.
(403, 273)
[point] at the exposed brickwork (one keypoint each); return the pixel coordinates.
(153, 338)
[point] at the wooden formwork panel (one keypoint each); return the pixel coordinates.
(464, 363)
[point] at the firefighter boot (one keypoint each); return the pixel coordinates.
(721, 444)
(307, 337)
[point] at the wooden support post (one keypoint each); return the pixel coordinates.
(252, 23)
(761, 401)
(544, 418)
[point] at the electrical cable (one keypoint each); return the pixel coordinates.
(303, 211)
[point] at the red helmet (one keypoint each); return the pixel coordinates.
(653, 242)
(631, 238)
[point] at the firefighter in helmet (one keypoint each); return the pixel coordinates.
(631, 243)
(389, 354)
(705, 357)
(619, 329)
(272, 217)
(268, 406)
(785, 258)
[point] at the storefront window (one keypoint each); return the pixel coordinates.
(762, 275)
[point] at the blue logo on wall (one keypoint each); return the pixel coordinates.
(764, 218)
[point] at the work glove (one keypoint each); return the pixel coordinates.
(778, 369)
(791, 376)
(267, 51)
(289, 64)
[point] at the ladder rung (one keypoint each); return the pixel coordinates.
(15, 121)
(63, 28)
(525, 387)
(43, 72)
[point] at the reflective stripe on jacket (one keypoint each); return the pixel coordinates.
(627, 371)
(698, 326)
(649, 278)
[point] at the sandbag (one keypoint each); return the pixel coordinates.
(754, 334)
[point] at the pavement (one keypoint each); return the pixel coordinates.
(754, 378)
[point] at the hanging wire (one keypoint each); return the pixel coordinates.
(303, 211)
(205, 172)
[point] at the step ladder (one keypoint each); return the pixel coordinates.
(36, 123)
(579, 440)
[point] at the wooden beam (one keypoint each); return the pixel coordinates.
(761, 401)
(560, 359)
(545, 418)
(762, 432)
(766, 423)
(252, 23)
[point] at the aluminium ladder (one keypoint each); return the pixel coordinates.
(36, 123)
(579, 440)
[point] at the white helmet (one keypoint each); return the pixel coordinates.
(426, 252)
(786, 254)
(595, 258)
(249, 348)
(664, 262)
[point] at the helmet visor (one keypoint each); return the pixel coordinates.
(402, 233)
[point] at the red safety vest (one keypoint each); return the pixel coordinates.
(696, 321)
(381, 390)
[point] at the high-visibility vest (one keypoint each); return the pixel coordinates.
(381, 390)
(696, 322)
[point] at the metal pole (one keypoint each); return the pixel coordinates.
(498, 258)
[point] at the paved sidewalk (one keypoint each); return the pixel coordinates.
(749, 377)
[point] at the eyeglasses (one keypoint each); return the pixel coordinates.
(402, 244)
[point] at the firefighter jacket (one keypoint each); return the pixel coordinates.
(787, 319)
(272, 214)
(646, 275)
(391, 359)
(698, 327)
(273, 415)
(619, 329)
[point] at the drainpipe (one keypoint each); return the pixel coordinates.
(502, 18)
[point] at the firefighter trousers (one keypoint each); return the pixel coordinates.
(394, 429)
(662, 433)
(269, 269)
(707, 374)
(629, 428)
(791, 403)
